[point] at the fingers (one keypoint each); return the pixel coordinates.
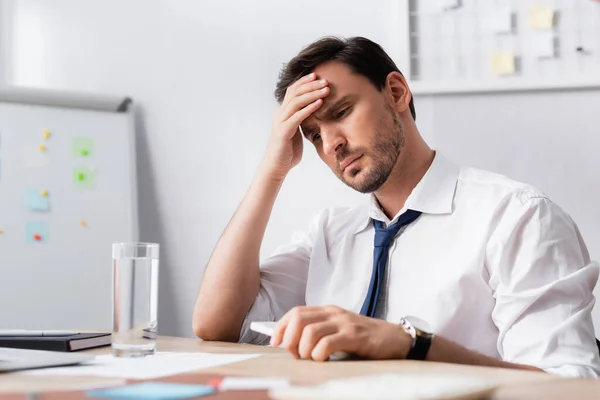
(330, 344)
(307, 332)
(290, 92)
(304, 113)
(302, 87)
(311, 86)
(295, 328)
(301, 101)
(311, 335)
(280, 328)
(306, 78)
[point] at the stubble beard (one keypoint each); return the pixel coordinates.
(384, 153)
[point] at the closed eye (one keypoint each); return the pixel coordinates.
(341, 113)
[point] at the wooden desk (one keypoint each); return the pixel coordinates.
(278, 363)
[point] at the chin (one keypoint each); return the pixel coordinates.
(366, 182)
(360, 183)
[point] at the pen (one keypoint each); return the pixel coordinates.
(34, 333)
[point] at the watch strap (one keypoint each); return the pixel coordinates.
(420, 347)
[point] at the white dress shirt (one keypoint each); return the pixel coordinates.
(491, 264)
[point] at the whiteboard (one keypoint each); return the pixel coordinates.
(502, 45)
(67, 192)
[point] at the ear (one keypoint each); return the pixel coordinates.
(399, 91)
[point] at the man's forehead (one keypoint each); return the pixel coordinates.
(335, 93)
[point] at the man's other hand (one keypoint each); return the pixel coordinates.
(318, 332)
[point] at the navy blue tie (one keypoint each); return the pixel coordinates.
(383, 239)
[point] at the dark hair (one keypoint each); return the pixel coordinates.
(361, 55)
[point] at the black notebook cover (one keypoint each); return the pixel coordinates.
(77, 342)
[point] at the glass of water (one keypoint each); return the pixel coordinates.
(135, 299)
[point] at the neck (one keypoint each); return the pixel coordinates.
(407, 173)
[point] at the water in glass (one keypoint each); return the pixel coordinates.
(135, 297)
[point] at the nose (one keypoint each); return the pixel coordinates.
(333, 141)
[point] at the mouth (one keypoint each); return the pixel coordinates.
(349, 162)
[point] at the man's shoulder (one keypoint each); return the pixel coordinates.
(341, 218)
(474, 182)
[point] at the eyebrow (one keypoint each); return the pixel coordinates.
(332, 107)
(307, 130)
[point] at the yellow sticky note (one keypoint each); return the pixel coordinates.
(503, 63)
(46, 133)
(541, 17)
(41, 147)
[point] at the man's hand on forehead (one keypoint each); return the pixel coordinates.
(302, 98)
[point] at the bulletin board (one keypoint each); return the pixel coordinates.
(502, 45)
(67, 192)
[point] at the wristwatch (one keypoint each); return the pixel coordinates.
(419, 330)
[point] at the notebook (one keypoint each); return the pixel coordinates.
(81, 341)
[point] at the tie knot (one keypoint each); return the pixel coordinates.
(384, 236)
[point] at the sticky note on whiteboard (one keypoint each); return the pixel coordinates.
(36, 200)
(541, 17)
(84, 177)
(83, 147)
(503, 63)
(37, 232)
(499, 20)
(542, 44)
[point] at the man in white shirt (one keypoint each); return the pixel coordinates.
(443, 263)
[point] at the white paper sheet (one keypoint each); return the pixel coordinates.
(234, 383)
(159, 365)
(390, 386)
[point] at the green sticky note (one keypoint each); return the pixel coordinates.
(84, 177)
(83, 147)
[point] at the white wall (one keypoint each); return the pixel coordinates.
(204, 72)
(6, 24)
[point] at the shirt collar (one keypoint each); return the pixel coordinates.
(434, 194)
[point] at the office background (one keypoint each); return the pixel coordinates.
(203, 73)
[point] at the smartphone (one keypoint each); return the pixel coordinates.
(266, 328)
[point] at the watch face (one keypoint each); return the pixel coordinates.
(419, 324)
(408, 327)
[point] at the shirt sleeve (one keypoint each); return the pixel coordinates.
(282, 283)
(543, 282)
